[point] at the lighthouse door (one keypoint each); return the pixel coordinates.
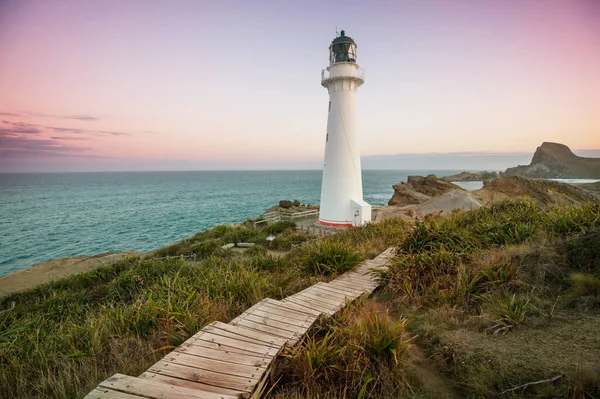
(357, 217)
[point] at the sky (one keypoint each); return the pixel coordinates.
(177, 85)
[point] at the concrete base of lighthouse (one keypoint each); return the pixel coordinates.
(361, 214)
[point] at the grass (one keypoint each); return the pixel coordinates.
(359, 354)
(514, 268)
(328, 258)
(527, 272)
(61, 339)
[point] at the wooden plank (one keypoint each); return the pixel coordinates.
(350, 285)
(331, 303)
(218, 366)
(267, 329)
(290, 307)
(368, 270)
(277, 316)
(332, 297)
(218, 340)
(204, 376)
(231, 331)
(268, 321)
(357, 276)
(105, 393)
(310, 304)
(328, 293)
(231, 356)
(157, 390)
(357, 280)
(288, 313)
(318, 288)
(349, 293)
(165, 379)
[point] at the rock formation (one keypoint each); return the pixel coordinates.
(472, 176)
(544, 192)
(422, 196)
(419, 189)
(286, 204)
(554, 160)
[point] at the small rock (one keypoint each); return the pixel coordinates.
(286, 204)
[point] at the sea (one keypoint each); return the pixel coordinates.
(47, 216)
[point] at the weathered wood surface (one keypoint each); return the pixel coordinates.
(235, 360)
(154, 389)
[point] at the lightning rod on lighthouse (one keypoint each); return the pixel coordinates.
(342, 203)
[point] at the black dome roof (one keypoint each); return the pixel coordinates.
(342, 38)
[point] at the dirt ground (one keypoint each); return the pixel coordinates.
(56, 269)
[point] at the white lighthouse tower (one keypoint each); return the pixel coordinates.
(342, 202)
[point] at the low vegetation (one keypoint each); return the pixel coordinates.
(61, 339)
(504, 296)
(498, 298)
(358, 354)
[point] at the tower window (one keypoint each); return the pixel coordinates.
(327, 137)
(329, 109)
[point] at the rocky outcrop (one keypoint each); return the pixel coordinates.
(286, 204)
(554, 160)
(472, 176)
(410, 200)
(449, 202)
(544, 192)
(421, 196)
(419, 189)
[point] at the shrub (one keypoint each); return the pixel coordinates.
(358, 354)
(583, 253)
(510, 311)
(566, 221)
(205, 248)
(280, 227)
(328, 257)
(584, 285)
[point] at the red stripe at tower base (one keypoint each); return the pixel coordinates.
(335, 224)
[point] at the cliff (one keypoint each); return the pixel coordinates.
(419, 189)
(554, 160)
(472, 176)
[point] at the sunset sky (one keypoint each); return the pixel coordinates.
(156, 85)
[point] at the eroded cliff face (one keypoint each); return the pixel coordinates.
(555, 160)
(422, 196)
(419, 189)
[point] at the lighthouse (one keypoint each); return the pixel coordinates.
(342, 203)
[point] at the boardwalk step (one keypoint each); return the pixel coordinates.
(123, 386)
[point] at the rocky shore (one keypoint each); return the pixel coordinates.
(421, 196)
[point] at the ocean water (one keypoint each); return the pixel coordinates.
(55, 215)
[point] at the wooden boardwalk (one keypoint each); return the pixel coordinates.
(235, 360)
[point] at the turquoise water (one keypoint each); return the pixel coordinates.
(55, 215)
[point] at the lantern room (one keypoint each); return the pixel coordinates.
(342, 49)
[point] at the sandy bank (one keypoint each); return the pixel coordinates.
(56, 269)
